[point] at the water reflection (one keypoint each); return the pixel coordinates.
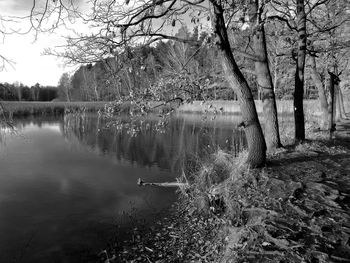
(65, 182)
(183, 137)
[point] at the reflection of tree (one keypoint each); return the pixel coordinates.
(181, 141)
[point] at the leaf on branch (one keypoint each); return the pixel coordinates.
(173, 23)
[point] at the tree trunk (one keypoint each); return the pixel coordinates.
(252, 128)
(341, 101)
(95, 86)
(275, 80)
(19, 92)
(67, 93)
(332, 108)
(264, 80)
(339, 104)
(321, 93)
(299, 73)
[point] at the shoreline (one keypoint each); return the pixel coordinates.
(296, 209)
(219, 107)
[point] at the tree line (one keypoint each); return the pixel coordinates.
(19, 92)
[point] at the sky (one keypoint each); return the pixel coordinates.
(30, 65)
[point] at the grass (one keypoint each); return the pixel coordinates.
(18, 109)
(42, 108)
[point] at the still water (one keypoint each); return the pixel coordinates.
(68, 184)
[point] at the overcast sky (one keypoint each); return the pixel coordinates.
(30, 65)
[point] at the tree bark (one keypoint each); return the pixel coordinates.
(264, 80)
(332, 108)
(299, 73)
(339, 104)
(341, 100)
(321, 93)
(252, 128)
(275, 79)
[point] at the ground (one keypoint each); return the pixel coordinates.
(296, 209)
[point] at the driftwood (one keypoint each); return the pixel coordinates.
(140, 182)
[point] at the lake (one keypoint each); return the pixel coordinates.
(68, 184)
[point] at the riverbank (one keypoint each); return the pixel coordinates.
(27, 108)
(311, 107)
(296, 209)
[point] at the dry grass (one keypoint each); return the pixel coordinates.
(267, 211)
(311, 107)
(38, 107)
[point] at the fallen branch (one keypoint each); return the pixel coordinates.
(140, 182)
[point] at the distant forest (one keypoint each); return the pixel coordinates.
(20, 92)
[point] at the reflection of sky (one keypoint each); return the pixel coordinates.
(65, 200)
(52, 127)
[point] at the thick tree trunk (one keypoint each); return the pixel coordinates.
(321, 93)
(252, 128)
(264, 80)
(299, 73)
